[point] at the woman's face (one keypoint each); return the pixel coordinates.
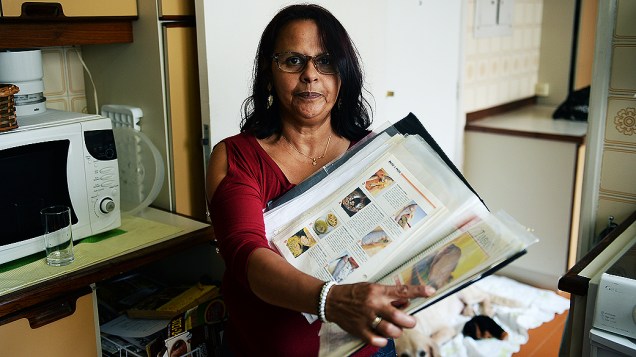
(307, 96)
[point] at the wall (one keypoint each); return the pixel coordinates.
(423, 59)
(609, 186)
(497, 70)
(399, 42)
(63, 79)
(503, 69)
(556, 49)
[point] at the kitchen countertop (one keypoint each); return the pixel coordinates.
(533, 121)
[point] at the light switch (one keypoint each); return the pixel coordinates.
(505, 13)
(493, 18)
(486, 13)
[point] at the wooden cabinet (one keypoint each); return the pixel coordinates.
(529, 165)
(185, 121)
(29, 24)
(75, 334)
(58, 33)
(50, 312)
(177, 8)
(157, 72)
(69, 8)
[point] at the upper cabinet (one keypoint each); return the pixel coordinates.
(69, 8)
(171, 8)
(30, 24)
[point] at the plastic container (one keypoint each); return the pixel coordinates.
(141, 169)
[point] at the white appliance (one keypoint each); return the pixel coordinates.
(56, 158)
(23, 68)
(616, 299)
(607, 344)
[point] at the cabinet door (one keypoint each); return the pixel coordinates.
(74, 335)
(77, 8)
(177, 7)
(185, 119)
(533, 180)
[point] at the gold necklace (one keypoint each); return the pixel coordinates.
(313, 159)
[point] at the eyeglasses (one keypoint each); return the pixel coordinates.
(293, 62)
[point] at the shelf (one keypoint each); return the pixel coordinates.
(18, 33)
(28, 301)
(533, 121)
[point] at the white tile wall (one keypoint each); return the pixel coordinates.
(617, 191)
(64, 79)
(498, 70)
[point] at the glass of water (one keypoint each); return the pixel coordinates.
(58, 236)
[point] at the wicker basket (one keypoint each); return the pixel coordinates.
(7, 107)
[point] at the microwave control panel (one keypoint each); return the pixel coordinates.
(102, 173)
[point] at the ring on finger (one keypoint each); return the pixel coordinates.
(376, 322)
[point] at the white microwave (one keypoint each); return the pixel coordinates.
(56, 158)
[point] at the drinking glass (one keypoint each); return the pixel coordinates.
(58, 236)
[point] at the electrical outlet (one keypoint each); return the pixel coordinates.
(542, 89)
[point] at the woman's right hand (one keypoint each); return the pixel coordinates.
(354, 307)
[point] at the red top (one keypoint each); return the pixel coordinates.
(236, 209)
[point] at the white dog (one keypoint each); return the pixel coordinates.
(434, 323)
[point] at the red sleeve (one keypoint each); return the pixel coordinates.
(239, 228)
(236, 209)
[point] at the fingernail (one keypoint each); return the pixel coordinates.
(379, 341)
(430, 290)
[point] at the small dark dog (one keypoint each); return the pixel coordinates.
(482, 326)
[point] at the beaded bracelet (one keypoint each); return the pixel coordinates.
(322, 301)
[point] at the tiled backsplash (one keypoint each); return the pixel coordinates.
(64, 79)
(498, 70)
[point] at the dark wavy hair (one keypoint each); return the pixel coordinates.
(350, 118)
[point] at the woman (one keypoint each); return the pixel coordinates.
(306, 109)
